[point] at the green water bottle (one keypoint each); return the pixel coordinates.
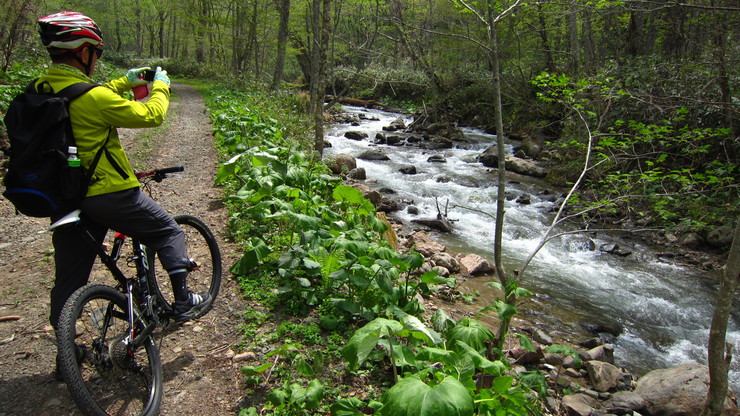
(72, 159)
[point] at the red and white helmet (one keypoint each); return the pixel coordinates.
(69, 31)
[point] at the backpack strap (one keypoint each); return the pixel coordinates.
(75, 90)
(70, 93)
(98, 154)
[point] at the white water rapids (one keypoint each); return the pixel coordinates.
(664, 309)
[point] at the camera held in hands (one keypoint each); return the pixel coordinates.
(149, 75)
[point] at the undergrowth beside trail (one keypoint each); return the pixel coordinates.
(336, 324)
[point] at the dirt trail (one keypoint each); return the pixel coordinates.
(200, 375)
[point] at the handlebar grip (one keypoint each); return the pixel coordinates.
(173, 169)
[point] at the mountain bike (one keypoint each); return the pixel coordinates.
(106, 337)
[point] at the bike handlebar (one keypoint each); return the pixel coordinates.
(159, 174)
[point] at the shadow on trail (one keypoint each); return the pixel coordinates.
(38, 395)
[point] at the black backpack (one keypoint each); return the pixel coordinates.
(39, 181)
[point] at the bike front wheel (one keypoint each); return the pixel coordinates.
(204, 276)
(105, 375)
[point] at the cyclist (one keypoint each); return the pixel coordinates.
(114, 199)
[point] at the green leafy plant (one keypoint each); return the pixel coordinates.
(413, 397)
(294, 399)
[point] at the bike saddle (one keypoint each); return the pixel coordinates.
(71, 218)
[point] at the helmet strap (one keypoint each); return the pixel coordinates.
(87, 66)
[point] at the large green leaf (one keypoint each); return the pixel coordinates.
(344, 193)
(471, 332)
(441, 321)
(402, 355)
(412, 326)
(366, 339)
(347, 407)
(479, 361)
(314, 394)
(412, 397)
(251, 258)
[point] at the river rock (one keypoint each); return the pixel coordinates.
(445, 260)
(358, 174)
(678, 391)
(541, 337)
(591, 343)
(692, 240)
(524, 167)
(441, 271)
(408, 170)
(436, 143)
(524, 200)
(343, 163)
(720, 236)
(437, 159)
(356, 135)
(397, 124)
(615, 249)
(489, 157)
(580, 404)
(624, 403)
(438, 223)
(523, 356)
(387, 205)
(394, 141)
(532, 144)
(474, 265)
(422, 242)
(603, 353)
(446, 130)
(373, 154)
(603, 376)
(372, 195)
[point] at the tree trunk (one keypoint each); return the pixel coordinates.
(498, 116)
(321, 82)
(546, 48)
(719, 354)
(723, 79)
(587, 36)
(162, 20)
(573, 46)
(284, 11)
(313, 53)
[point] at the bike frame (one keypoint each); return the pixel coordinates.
(136, 295)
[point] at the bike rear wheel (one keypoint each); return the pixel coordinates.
(107, 377)
(203, 250)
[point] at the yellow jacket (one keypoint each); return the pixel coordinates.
(97, 113)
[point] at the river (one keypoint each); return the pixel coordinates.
(664, 309)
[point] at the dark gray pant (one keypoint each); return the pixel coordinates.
(130, 212)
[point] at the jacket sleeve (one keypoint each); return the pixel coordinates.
(118, 85)
(120, 112)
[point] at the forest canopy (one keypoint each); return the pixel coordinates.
(653, 79)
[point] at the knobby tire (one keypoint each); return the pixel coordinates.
(203, 249)
(108, 380)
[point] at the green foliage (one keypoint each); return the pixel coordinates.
(398, 81)
(323, 239)
(294, 399)
(413, 397)
(442, 368)
(665, 173)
